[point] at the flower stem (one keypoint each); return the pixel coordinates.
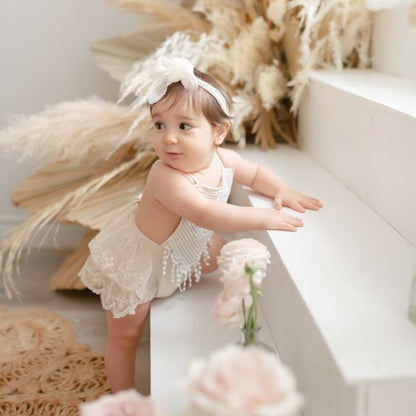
(250, 319)
(244, 312)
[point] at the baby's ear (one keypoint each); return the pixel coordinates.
(221, 132)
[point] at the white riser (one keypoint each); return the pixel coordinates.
(361, 126)
(300, 342)
(392, 398)
(394, 42)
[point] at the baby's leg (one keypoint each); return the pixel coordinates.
(120, 352)
(214, 249)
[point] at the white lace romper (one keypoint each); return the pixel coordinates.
(127, 269)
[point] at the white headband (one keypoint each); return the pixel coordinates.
(166, 71)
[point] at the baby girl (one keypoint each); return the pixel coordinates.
(170, 236)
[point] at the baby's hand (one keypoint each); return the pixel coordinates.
(288, 197)
(277, 220)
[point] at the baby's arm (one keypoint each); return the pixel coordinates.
(267, 182)
(172, 189)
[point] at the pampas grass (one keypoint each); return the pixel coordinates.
(329, 31)
(270, 85)
(84, 132)
(226, 17)
(250, 49)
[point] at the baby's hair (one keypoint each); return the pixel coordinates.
(200, 99)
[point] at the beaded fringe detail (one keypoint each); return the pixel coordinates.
(181, 276)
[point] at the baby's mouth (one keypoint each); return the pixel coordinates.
(174, 155)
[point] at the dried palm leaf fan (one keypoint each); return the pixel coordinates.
(117, 55)
(49, 184)
(66, 277)
(177, 16)
(52, 182)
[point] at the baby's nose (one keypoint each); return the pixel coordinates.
(170, 138)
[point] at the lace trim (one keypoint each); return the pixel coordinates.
(182, 276)
(117, 283)
(124, 270)
(119, 302)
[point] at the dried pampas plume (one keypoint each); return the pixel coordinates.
(250, 49)
(84, 132)
(270, 85)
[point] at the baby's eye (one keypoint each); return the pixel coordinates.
(158, 125)
(184, 126)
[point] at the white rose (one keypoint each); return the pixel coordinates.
(235, 279)
(123, 403)
(244, 250)
(228, 310)
(238, 381)
(258, 277)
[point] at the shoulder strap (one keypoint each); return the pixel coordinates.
(219, 160)
(195, 180)
(192, 178)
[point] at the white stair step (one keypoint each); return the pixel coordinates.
(361, 126)
(337, 295)
(394, 42)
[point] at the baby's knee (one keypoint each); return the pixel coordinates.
(125, 332)
(210, 267)
(125, 338)
(215, 245)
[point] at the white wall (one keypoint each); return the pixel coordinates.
(394, 42)
(45, 59)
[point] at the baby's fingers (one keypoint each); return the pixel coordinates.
(278, 203)
(295, 221)
(312, 203)
(296, 206)
(287, 227)
(278, 220)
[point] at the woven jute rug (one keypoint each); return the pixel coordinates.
(42, 370)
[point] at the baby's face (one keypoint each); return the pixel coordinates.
(182, 137)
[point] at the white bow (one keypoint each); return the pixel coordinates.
(166, 71)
